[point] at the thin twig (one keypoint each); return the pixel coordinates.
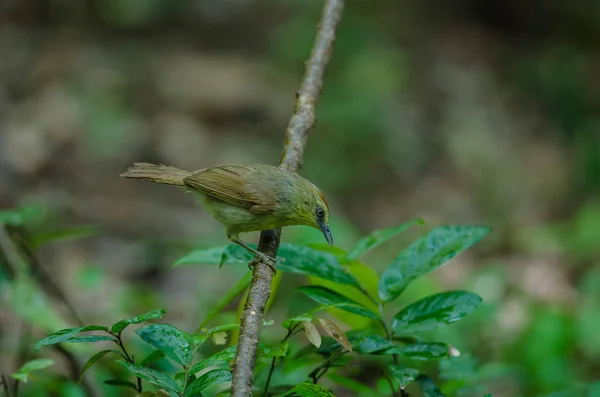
(297, 131)
(290, 332)
(4, 385)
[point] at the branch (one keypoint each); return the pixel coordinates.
(297, 131)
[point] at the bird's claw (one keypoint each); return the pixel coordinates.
(264, 258)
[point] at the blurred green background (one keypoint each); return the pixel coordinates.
(468, 112)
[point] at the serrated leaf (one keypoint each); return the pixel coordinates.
(151, 376)
(307, 261)
(428, 387)
(176, 344)
(92, 360)
(312, 333)
(120, 383)
(308, 390)
(220, 358)
(151, 315)
(152, 357)
(403, 375)
(435, 311)
(378, 237)
(210, 378)
(425, 255)
(425, 350)
(91, 338)
(335, 332)
(57, 337)
(326, 296)
(37, 364)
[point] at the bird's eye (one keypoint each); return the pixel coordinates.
(320, 212)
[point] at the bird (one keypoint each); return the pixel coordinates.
(247, 197)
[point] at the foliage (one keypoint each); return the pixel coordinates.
(400, 356)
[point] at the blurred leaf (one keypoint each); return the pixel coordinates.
(37, 364)
(425, 350)
(405, 376)
(425, 255)
(205, 380)
(226, 299)
(91, 338)
(231, 254)
(158, 393)
(176, 344)
(224, 327)
(308, 390)
(64, 234)
(348, 383)
(325, 296)
(287, 324)
(428, 387)
(152, 357)
(220, 358)
(378, 237)
(435, 311)
(95, 358)
(307, 261)
(279, 350)
(57, 337)
(151, 315)
(335, 332)
(219, 338)
(120, 383)
(20, 216)
(462, 368)
(151, 376)
(312, 333)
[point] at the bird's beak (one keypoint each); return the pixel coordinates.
(326, 232)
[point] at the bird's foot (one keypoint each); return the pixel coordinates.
(264, 258)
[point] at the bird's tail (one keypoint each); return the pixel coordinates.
(157, 173)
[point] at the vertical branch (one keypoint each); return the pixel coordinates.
(297, 131)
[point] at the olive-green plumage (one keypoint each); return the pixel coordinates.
(247, 198)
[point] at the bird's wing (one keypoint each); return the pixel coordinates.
(234, 184)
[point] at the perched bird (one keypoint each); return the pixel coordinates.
(247, 198)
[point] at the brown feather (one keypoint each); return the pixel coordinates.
(229, 183)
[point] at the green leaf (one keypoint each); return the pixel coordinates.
(287, 324)
(64, 234)
(307, 261)
(428, 387)
(405, 376)
(210, 378)
(151, 376)
(231, 254)
(57, 337)
(308, 390)
(176, 344)
(20, 216)
(152, 357)
(378, 237)
(224, 327)
(91, 338)
(424, 350)
(425, 255)
(121, 383)
(220, 358)
(151, 315)
(279, 350)
(435, 311)
(37, 364)
(325, 296)
(371, 344)
(94, 328)
(93, 360)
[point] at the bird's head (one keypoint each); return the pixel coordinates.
(314, 211)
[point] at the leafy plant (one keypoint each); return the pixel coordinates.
(337, 288)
